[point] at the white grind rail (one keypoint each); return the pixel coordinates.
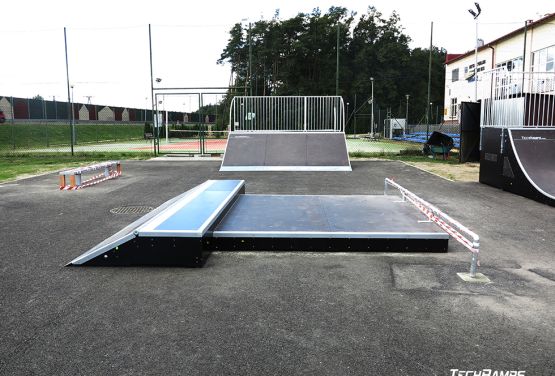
(454, 228)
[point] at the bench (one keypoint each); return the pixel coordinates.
(73, 179)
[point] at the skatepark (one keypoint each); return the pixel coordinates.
(272, 312)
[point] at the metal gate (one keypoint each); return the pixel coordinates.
(187, 121)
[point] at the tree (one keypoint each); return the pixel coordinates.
(297, 56)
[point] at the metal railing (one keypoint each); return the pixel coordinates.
(460, 233)
(517, 99)
(287, 113)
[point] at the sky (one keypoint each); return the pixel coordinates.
(108, 49)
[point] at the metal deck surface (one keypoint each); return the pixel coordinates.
(286, 151)
(325, 217)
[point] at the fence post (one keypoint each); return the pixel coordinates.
(305, 104)
(13, 125)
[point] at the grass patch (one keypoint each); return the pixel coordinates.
(13, 166)
(43, 135)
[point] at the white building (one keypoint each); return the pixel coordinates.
(531, 46)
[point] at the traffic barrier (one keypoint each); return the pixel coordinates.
(73, 179)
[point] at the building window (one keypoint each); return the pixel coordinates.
(544, 60)
(455, 75)
(511, 65)
(454, 108)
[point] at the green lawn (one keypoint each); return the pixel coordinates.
(33, 136)
(13, 166)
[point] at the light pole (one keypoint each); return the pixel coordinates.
(406, 115)
(372, 100)
(249, 70)
(346, 125)
(72, 118)
(475, 15)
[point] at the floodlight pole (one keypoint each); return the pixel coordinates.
(406, 115)
(372, 117)
(68, 94)
(476, 64)
(153, 100)
(429, 82)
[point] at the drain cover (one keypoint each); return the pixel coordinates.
(131, 209)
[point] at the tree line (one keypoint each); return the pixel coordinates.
(298, 56)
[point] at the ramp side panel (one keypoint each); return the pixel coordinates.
(532, 155)
(327, 150)
(245, 149)
(287, 149)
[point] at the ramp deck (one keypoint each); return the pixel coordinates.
(217, 215)
(286, 151)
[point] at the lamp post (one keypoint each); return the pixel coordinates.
(249, 70)
(372, 117)
(72, 117)
(406, 115)
(475, 15)
(347, 125)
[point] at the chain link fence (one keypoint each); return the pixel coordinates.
(104, 102)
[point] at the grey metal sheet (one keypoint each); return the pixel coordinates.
(325, 216)
(286, 151)
(245, 149)
(326, 150)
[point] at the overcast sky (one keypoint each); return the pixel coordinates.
(108, 40)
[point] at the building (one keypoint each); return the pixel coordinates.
(518, 63)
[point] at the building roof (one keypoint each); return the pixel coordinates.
(451, 58)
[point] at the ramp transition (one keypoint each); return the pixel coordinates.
(521, 161)
(218, 216)
(286, 151)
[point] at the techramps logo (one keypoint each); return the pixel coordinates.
(486, 372)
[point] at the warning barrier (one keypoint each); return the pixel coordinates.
(73, 179)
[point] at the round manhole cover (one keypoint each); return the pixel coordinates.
(131, 209)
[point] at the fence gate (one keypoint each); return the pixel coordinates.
(189, 122)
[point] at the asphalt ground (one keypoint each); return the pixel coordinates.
(256, 313)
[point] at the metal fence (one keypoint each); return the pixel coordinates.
(291, 113)
(517, 99)
(103, 100)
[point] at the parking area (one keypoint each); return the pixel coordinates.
(255, 313)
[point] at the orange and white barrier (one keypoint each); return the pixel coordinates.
(72, 179)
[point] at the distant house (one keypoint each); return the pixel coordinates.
(529, 49)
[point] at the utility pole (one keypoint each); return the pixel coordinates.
(372, 117)
(250, 60)
(429, 82)
(406, 115)
(337, 62)
(475, 15)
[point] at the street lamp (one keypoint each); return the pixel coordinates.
(250, 56)
(475, 15)
(347, 125)
(372, 100)
(406, 115)
(72, 117)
